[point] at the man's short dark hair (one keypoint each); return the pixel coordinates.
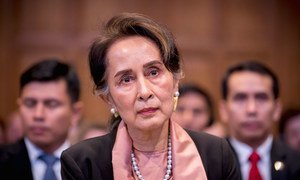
(252, 66)
(51, 70)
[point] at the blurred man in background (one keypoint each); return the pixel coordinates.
(49, 105)
(250, 107)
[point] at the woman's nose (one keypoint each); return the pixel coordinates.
(144, 91)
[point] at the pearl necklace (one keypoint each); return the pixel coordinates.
(169, 163)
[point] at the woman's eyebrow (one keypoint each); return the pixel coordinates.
(151, 63)
(125, 71)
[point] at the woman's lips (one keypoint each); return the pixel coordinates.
(147, 111)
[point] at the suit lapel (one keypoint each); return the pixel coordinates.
(20, 163)
(278, 160)
(235, 155)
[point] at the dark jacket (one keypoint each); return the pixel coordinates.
(92, 159)
(281, 152)
(14, 162)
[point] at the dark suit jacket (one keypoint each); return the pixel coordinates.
(291, 160)
(91, 159)
(14, 162)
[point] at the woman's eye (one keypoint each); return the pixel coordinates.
(153, 72)
(126, 79)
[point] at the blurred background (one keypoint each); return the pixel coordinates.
(211, 35)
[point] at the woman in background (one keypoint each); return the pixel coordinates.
(195, 111)
(289, 127)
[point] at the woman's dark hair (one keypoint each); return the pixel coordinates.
(286, 117)
(191, 88)
(126, 25)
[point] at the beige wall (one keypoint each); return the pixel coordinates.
(211, 35)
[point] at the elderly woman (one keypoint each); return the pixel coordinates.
(136, 69)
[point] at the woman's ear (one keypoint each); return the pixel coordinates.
(107, 98)
(176, 85)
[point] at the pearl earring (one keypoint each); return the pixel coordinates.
(114, 112)
(175, 100)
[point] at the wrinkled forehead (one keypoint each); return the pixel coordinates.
(131, 51)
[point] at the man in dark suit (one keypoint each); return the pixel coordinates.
(250, 107)
(49, 104)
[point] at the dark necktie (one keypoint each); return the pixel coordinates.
(254, 172)
(49, 161)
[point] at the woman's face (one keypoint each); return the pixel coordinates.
(192, 112)
(141, 89)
